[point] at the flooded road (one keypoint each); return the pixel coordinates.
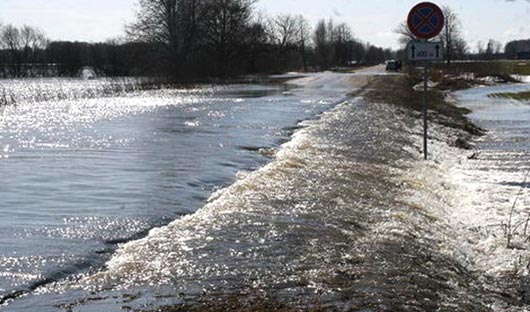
(82, 174)
(346, 217)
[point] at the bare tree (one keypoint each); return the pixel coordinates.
(461, 48)
(336, 46)
(283, 30)
(12, 41)
(405, 35)
(304, 33)
(289, 34)
(170, 23)
(342, 33)
(11, 38)
(32, 39)
(493, 49)
(225, 22)
(256, 40)
(451, 35)
(321, 39)
(342, 41)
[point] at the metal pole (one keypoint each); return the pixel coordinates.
(425, 125)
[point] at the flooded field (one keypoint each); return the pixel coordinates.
(481, 196)
(495, 181)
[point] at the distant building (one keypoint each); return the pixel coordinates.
(87, 73)
(518, 50)
(523, 55)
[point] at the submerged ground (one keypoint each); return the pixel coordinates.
(346, 217)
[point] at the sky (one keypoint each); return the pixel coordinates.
(371, 21)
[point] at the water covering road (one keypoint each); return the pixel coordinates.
(81, 173)
(347, 216)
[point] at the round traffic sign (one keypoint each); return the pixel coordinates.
(426, 20)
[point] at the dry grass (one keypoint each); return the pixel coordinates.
(398, 90)
(522, 96)
(105, 88)
(501, 69)
(522, 68)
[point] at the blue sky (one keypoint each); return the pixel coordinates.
(372, 20)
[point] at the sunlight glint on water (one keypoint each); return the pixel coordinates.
(85, 172)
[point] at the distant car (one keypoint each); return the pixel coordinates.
(393, 65)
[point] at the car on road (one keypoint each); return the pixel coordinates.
(393, 65)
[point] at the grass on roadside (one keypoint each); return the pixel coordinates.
(453, 76)
(522, 96)
(489, 68)
(522, 68)
(398, 90)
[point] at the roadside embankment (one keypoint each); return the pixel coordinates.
(398, 91)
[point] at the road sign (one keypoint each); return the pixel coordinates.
(426, 20)
(425, 51)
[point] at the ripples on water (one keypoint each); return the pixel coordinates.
(484, 198)
(347, 217)
(326, 225)
(499, 177)
(81, 174)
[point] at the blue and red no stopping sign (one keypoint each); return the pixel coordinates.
(426, 20)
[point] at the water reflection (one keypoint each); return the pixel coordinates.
(80, 175)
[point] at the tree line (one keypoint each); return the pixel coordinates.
(20, 46)
(227, 37)
(192, 39)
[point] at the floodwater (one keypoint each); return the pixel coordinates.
(346, 216)
(496, 182)
(85, 170)
(482, 197)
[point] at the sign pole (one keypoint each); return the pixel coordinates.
(425, 103)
